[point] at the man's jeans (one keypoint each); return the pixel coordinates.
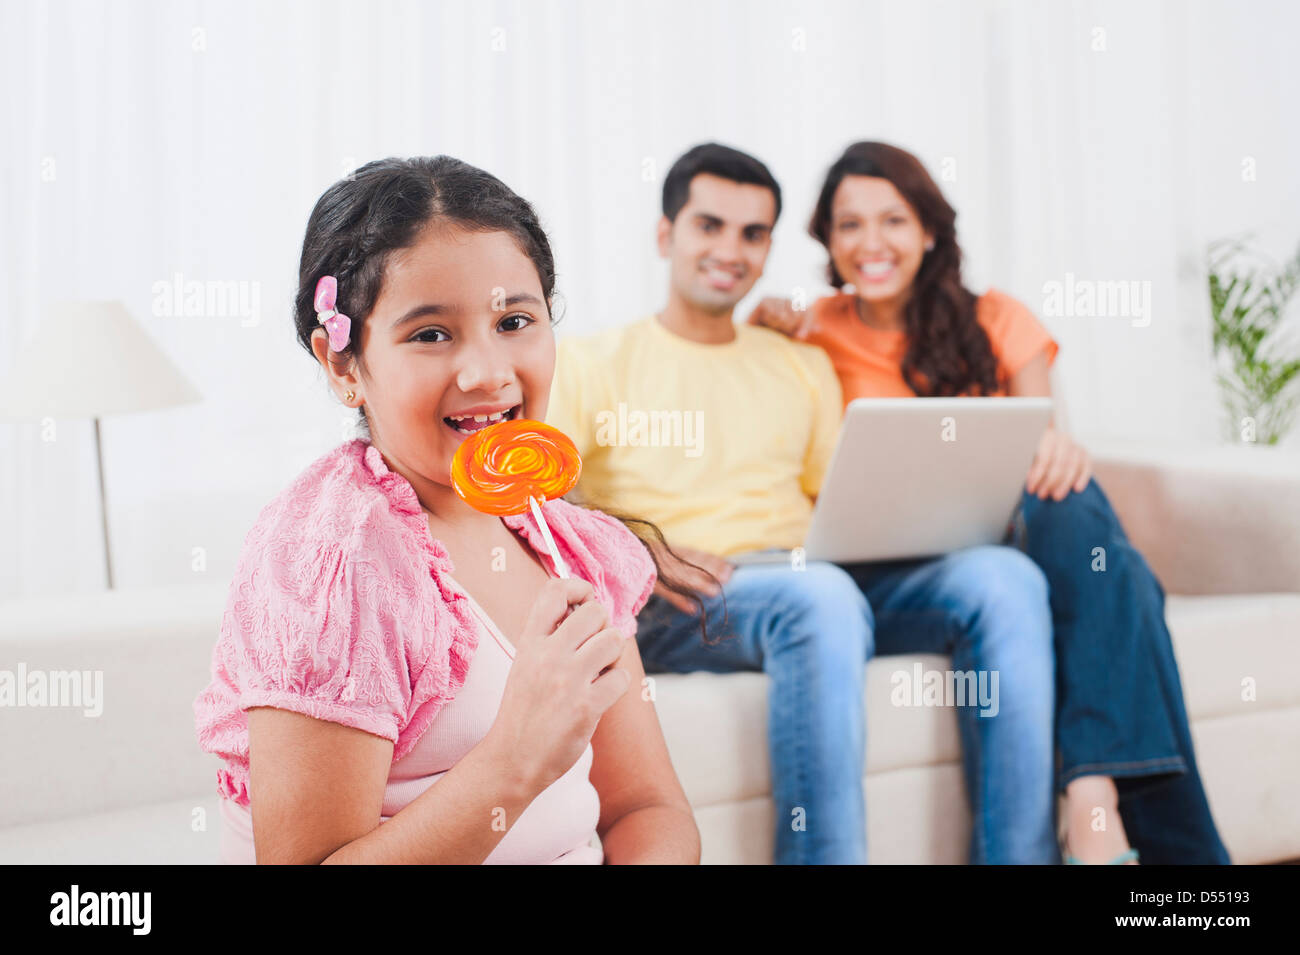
(812, 631)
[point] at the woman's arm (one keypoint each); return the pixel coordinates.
(1060, 466)
(1032, 381)
(644, 814)
(316, 790)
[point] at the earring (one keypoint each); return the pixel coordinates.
(929, 246)
(349, 395)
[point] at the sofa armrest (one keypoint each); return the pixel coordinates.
(1208, 519)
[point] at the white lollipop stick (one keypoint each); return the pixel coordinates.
(560, 566)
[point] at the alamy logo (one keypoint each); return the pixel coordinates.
(213, 298)
(72, 688)
(651, 429)
(946, 688)
(1085, 298)
(102, 908)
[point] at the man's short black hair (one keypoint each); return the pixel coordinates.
(714, 159)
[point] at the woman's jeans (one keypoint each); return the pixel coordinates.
(1118, 701)
(812, 631)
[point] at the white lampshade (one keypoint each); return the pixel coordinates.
(92, 359)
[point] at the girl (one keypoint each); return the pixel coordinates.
(356, 681)
(909, 327)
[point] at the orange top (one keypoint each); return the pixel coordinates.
(869, 361)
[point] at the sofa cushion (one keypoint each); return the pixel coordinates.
(177, 832)
(916, 815)
(1209, 519)
(716, 728)
(1222, 642)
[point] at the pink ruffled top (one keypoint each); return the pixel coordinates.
(343, 608)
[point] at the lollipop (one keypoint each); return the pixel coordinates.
(510, 467)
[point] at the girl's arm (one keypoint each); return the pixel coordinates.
(644, 814)
(317, 787)
(316, 791)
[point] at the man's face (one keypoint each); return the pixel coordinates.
(717, 245)
(477, 340)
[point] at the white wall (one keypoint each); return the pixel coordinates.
(195, 137)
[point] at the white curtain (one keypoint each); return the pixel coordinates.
(1103, 141)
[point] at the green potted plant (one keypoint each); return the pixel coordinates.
(1259, 368)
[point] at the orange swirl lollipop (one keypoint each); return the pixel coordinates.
(510, 467)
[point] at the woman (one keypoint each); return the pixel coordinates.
(908, 327)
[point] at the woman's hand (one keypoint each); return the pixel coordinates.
(1060, 466)
(779, 314)
(691, 576)
(562, 681)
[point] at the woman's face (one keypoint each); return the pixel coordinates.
(460, 331)
(876, 238)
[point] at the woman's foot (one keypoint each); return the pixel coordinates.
(1094, 831)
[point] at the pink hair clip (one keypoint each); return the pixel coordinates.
(336, 323)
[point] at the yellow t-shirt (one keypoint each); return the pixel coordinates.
(722, 446)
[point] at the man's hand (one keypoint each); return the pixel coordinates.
(1060, 466)
(692, 577)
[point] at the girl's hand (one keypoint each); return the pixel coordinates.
(779, 315)
(562, 681)
(1060, 466)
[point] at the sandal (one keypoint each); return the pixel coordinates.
(1129, 855)
(1124, 857)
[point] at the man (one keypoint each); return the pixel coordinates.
(721, 435)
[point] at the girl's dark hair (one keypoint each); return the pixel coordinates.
(948, 351)
(382, 207)
(361, 220)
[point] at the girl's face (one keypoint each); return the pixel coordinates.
(876, 238)
(459, 337)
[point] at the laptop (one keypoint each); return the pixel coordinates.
(917, 477)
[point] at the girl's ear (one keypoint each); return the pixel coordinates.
(340, 372)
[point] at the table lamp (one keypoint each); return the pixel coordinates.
(88, 360)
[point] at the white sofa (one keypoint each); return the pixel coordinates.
(1221, 527)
